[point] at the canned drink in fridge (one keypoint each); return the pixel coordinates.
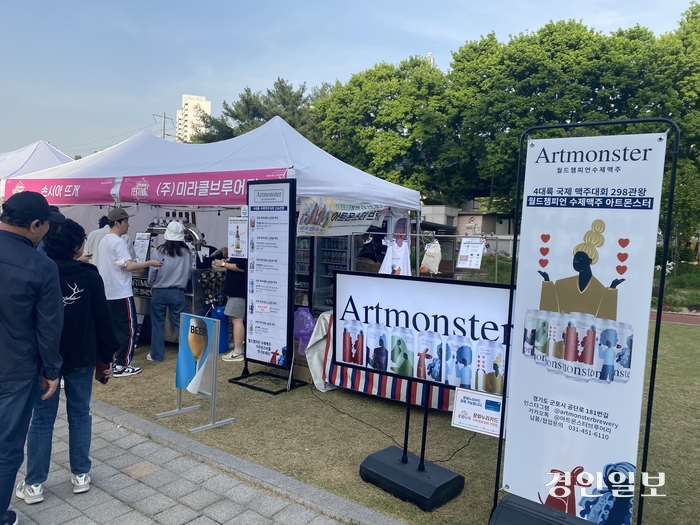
(623, 359)
(353, 341)
(402, 351)
(458, 361)
(542, 337)
(529, 333)
(376, 340)
(579, 347)
(429, 356)
(557, 332)
(489, 367)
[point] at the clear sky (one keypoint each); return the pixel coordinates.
(87, 74)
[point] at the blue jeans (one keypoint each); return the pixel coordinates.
(78, 390)
(161, 298)
(16, 401)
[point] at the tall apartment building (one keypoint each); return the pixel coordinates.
(188, 116)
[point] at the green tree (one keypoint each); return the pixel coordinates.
(252, 110)
(390, 121)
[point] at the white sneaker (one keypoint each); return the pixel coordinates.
(234, 355)
(30, 493)
(62, 383)
(81, 482)
(123, 371)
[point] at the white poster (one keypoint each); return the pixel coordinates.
(470, 252)
(322, 216)
(142, 243)
(270, 215)
(477, 412)
(238, 237)
(448, 333)
(585, 271)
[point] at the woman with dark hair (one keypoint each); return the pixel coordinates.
(87, 344)
(168, 284)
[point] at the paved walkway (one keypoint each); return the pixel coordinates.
(143, 474)
(670, 317)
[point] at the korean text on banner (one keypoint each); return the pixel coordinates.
(585, 272)
(65, 191)
(321, 216)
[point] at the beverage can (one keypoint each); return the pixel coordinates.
(376, 341)
(529, 333)
(458, 355)
(353, 342)
(541, 351)
(579, 347)
(606, 350)
(429, 356)
(490, 361)
(557, 332)
(623, 358)
(402, 351)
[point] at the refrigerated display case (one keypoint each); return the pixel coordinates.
(302, 271)
(332, 254)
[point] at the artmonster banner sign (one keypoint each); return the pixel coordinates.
(581, 317)
(442, 332)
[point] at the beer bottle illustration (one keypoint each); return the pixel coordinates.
(237, 241)
(197, 339)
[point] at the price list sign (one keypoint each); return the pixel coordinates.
(271, 208)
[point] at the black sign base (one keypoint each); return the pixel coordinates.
(428, 489)
(514, 510)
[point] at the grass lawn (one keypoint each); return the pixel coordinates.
(321, 438)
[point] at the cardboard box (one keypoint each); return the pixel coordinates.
(301, 370)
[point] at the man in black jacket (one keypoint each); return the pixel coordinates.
(31, 320)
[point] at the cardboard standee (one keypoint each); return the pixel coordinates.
(201, 341)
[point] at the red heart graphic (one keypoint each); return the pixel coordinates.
(621, 269)
(544, 251)
(623, 242)
(545, 238)
(544, 263)
(622, 257)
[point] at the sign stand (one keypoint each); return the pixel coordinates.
(407, 476)
(211, 360)
(512, 508)
(245, 375)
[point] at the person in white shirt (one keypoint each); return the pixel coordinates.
(115, 267)
(90, 253)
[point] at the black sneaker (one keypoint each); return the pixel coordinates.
(10, 518)
(123, 371)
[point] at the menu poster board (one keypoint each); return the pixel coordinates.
(436, 331)
(581, 315)
(142, 245)
(238, 237)
(470, 252)
(271, 210)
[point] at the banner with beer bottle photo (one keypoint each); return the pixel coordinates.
(196, 336)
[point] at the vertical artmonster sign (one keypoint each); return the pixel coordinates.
(581, 318)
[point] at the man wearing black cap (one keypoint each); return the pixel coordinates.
(115, 267)
(31, 320)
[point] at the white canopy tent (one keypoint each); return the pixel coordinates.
(148, 170)
(34, 157)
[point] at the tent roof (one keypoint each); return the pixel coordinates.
(273, 145)
(34, 157)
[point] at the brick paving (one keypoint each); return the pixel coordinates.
(145, 474)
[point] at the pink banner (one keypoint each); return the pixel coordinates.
(215, 188)
(65, 191)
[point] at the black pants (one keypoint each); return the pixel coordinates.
(123, 315)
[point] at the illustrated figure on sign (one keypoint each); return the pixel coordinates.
(403, 359)
(377, 357)
(273, 358)
(606, 351)
(571, 343)
(566, 503)
(421, 369)
(603, 506)
(357, 347)
(497, 364)
(541, 341)
(450, 362)
(347, 346)
(435, 366)
(464, 366)
(282, 361)
(582, 292)
(625, 355)
(588, 347)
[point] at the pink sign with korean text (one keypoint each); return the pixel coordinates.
(65, 191)
(206, 188)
